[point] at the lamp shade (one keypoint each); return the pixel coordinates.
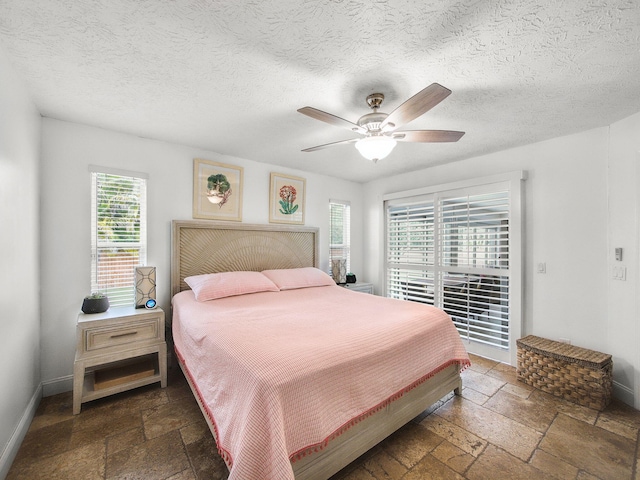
(145, 285)
(376, 147)
(339, 270)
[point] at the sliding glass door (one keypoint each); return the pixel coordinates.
(454, 248)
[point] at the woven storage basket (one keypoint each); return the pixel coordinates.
(576, 374)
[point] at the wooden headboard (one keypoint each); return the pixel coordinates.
(199, 247)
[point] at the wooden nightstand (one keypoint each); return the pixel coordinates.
(360, 287)
(120, 349)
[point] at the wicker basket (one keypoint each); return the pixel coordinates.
(576, 374)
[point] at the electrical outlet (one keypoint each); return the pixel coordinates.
(542, 267)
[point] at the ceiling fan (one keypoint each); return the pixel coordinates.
(378, 130)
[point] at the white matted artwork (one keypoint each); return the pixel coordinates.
(286, 199)
(217, 190)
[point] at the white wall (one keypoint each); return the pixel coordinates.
(624, 232)
(580, 201)
(68, 150)
(19, 285)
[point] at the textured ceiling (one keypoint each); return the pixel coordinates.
(229, 75)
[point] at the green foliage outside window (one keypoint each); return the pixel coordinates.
(118, 210)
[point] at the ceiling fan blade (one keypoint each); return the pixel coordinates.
(427, 136)
(331, 119)
(417, 105)
(327, 145)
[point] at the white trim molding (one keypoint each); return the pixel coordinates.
(623, 393)
(13, 445)
(57, 385)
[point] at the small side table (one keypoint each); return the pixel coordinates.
(360, 287)
(120, 349)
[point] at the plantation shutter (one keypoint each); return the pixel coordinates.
(411, 250)
(473, 253)
(340, 231)
(452, 248)
(118, 234)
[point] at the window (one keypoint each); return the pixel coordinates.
(340, 231)
(459, 249)
(118, 233)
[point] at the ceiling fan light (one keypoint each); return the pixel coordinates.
(375, 148)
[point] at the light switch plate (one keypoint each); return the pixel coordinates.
(620, 273)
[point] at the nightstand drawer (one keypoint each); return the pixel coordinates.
(360, 287)
(112, 336)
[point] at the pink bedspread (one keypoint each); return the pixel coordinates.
(280, 372)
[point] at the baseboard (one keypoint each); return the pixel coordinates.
(624, 394)
(13, 445)
(57, 385)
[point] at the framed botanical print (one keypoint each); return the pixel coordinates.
(217, 191)
(286, 199)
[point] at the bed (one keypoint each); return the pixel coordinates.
(299, 382)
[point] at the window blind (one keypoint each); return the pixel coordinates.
(411, 251)
(340, 231)
(451, 249)
(473, 248)
(118, 234)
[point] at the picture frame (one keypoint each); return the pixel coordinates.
(287, 199)
(217, 190)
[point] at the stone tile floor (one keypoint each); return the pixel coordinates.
(497, 429)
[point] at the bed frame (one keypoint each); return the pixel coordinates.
(200, 247)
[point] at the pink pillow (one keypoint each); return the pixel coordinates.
(226, 284)
(292, 278)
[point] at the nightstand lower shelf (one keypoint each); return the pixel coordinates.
(134, 368)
